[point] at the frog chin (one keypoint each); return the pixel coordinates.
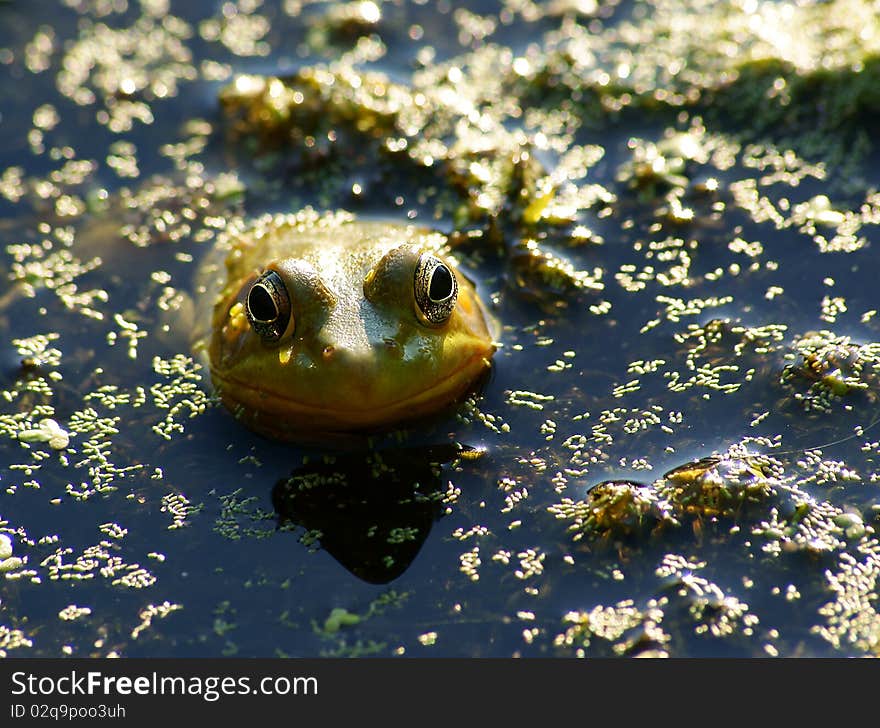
(280, 416)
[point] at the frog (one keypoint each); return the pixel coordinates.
(322, 324)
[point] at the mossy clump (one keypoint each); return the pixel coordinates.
(824, 370)
(342, 24)
(823, 110)
(541, 275)
(616, 630)
(713, 487)
(616, 510)
(656, 168)
(271, 111)
(717, 487)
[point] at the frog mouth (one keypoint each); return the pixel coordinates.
(283, 417)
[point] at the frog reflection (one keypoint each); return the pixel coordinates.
(373, 509)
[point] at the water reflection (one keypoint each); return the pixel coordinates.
(373, 509)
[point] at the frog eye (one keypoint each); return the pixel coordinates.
(268, 306)
(436, 290)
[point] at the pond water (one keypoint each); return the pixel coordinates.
(669, 207)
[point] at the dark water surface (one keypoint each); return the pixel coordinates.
(671, 209)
